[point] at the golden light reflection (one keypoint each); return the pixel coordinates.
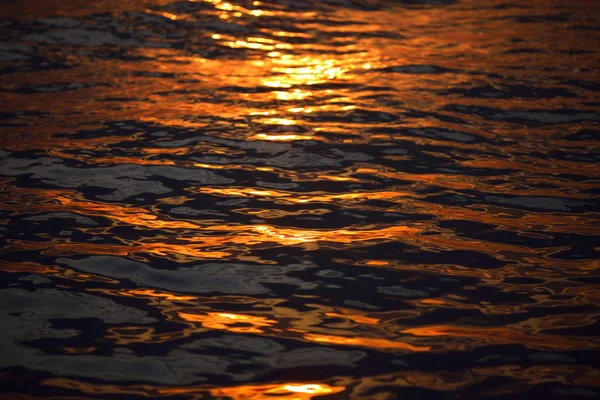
(296, 94)
(283, 390)
(152, 293)
(284, 197)
(300, 110)
(292, 391)
(229, 321)
(165, 14)
(238, 11)
(277, 121)
(290, 34)
(322, 77)
(339, 178)
(304, 326)
(276, 83)
(280, 138)
(273, 213)
(366, 342)
(250, 235)
(176, 252)
(250, 45)
(295, 71)
(297, 236)
(361, 319)
(356, 387)
(504, 335)
(311, 67)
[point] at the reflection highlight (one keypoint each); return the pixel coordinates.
(275, 199)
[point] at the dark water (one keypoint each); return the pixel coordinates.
(293, 199)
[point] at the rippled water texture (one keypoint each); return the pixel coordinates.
(291, 199)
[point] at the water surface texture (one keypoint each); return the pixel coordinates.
(291, 199)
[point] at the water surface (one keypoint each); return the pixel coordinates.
(292, 199)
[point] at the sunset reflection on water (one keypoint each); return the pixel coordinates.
(309, 199)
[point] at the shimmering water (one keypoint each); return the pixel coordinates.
(289, 199)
